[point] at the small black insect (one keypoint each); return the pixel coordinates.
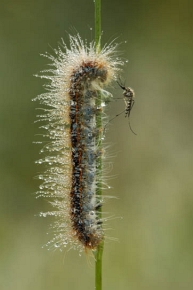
(128, 97)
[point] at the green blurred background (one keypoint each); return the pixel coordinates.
(154, 183)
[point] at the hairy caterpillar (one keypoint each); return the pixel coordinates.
(76, 80)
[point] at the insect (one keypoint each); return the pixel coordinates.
(128, 97)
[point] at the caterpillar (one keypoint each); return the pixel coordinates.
(76, 79)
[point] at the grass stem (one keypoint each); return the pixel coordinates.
(99, 251)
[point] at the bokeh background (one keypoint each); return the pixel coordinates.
(153, 170)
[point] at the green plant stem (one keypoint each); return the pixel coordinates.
(99, 250)
(98, 266)
(98, 24)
